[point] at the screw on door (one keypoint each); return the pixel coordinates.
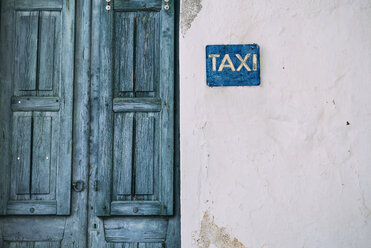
(166, 7)
(108, 6)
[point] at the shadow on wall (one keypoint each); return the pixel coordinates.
(211, 235)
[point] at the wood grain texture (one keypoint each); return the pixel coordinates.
(55, 56)
(6, 119)
(47, 245)
(136, 208)
(44, 173)
(50, 51)
(135, 245)
(26, 50)
(173, 237)
(124, 51)
(155, 170)
(32, 245)
(46, 51)
(24, 228)
(146, 66)
(38, 5)
(19, 244)
(41, 153)
(136, 104)
(95, 232)
(135, 230)
(34, 103)
(22, 154)
(63, 182)
(137, 5)
(76, 225)
(105, 117)
(32, 207)
(123, 154)
(144, 155)
(151, 245)
(167, 113)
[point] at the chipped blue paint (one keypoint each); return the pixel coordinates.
(233, 65)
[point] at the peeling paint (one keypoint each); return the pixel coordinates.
(211, 235)
(189, 12)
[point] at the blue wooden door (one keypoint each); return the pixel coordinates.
(132, 128)
(87, 124)
(36, 121)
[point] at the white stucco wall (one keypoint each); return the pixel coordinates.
(277, 165)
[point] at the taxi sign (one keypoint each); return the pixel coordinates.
(232, 65)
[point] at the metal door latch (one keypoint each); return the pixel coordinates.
(78, 186)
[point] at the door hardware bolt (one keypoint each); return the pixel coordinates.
(78, 186)
(166, 7)
(96, 185)
(108, 6)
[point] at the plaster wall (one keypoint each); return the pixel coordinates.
(288, 163)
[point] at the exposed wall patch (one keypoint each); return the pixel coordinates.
(211, 235)
(189, 12)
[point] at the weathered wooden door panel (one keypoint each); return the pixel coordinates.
(36, 116)
(32, 231)
(136, 230)
(136, 109)
(33, 170)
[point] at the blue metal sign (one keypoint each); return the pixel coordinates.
(232, 65)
